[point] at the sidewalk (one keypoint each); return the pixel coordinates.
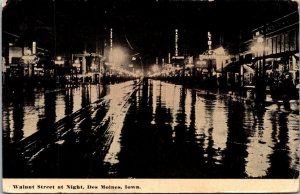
(247, 95)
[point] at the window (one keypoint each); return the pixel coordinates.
(269, 46)
(278, 44)
(286, 42)
(292, 40)
(274, 45)
(282, 43)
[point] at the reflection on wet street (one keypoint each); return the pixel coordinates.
(150, 129)
(174, 132)
(26, 113)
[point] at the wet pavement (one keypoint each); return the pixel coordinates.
(26, 112)
(150, 129)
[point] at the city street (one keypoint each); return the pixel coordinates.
(146, 129)
(150, 93)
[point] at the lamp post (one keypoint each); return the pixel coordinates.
(76, 65)
(260, 86)
(260, 41)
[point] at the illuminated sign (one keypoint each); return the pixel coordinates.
(33, 48)
(209, 42)
(176, 42)
(178, 57)
(59, 62)
(288, 20)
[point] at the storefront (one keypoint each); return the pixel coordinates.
(279, 53)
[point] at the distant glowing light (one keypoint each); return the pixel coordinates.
(93, 66)
(257, 48)
(4, 2)
(220, 51)
(117, 56)
(155, 68)
(28, 52)
(260, 40)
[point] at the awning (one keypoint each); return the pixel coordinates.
(248, 69)
(235, 67)
(232, 67)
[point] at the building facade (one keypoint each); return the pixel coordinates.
(275, 48)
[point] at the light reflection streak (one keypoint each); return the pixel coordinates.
(257, 138)
(154, 97)
(259, 149)
(220, 128)
(11, 123)
(200, 122)
(188, 104)
(35, 111)
(293, 143)
(59, 107)
(175, 104)
(117, 111)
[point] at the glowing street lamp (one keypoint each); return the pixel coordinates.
(117, 56)
(155, 68)
(259, 49)
(59, 60)
(220, 51)
(260, 40)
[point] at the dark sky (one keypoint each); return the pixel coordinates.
(70, 26)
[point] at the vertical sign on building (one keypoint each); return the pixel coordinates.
(209, 42)
(156, 61)
(169, 58)
(176, 42)
(33, 48)
(111, 46)
(111, 39)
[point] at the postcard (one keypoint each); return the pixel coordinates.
(152, 96)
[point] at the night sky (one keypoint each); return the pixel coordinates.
(71, 26)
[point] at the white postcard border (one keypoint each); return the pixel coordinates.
(150, 185)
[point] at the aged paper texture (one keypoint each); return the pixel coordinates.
(152, 96)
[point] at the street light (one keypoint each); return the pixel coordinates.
(117, 56)
(260, 40)
(220, 51)
(260, 86)
(155, 68)
(259, 49)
